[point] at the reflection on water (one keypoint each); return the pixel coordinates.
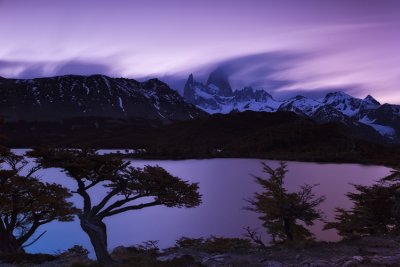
(224, 184)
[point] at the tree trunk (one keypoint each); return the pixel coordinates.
(9, 244)
(97, 232)
(288, 229)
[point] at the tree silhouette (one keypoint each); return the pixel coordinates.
(282, 211)
(128, 189)
(26, 203)
(376, 209)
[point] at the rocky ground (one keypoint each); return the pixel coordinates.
(367, 251)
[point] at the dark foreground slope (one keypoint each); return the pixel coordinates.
(281, 135)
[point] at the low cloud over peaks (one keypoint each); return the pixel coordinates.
(28, 70)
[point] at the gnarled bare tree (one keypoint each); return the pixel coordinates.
(128, 189)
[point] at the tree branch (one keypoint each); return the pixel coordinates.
(135, 207)
(120, 203)
(25, 237)
(92, 184)
(20, 221)
(87, 204)
(254, 235)
(105, 200)
(35, 240)
(33, 170)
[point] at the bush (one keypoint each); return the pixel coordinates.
(214, 244)
(186, 242)
(224, 244)
(77, 250)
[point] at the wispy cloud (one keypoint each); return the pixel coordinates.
(285, 46)
(26, 70)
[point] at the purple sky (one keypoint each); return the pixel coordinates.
(284, 46)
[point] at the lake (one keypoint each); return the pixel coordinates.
(224, 184)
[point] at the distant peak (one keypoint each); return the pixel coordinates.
(190, 81)
(299, 97)
(337, 93)
(371, 100)
(220, 80)
(188, 90)
(156, 82)
(248, 89)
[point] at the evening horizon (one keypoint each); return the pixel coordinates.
(284, 48)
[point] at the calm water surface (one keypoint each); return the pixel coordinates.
(224, 184)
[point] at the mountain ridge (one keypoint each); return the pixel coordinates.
(61, 97)
(69, 96)
(334, 107)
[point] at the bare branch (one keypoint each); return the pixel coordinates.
(33, 170)
(92, 184)
(105, 200)
(135, 207)
(254, 235)
(35, 240)
(120, 203)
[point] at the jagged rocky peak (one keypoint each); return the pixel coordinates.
(189, 89)
(190, 79)
(370, 102)
(335, 96)
(343, 102)
(219, 79)
(334, 107)
(300, 104)
(299, 97)
(369, 98)
(249, 94)
(217, 96)
(248, 89)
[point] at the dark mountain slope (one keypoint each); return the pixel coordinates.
(58, 98)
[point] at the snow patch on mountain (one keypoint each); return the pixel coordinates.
(300, 105)
(343, 102)
(214, 99)
(121, 104)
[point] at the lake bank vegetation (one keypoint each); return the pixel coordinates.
(278, 136)
(27, 202)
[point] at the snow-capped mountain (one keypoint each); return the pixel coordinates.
(217, 96)
(300, 105)
(70, 96)
(349, 105)
(365, 114)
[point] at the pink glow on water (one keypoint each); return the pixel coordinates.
(224, 184)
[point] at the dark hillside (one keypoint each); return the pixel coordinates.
(280, 135)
